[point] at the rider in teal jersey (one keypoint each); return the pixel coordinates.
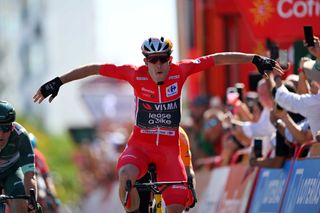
(17, 167)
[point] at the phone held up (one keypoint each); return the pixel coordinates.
(308, 36)
(283, 59)
(257, 147)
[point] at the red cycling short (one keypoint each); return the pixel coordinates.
(169, 166)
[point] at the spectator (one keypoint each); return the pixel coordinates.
(306, 104)
(194, 128)
(288, 136)
(263, 128)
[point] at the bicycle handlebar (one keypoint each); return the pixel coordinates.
(31, 198)
(169, 183)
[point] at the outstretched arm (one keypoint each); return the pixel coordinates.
(263, 64)
(51, 88)
(80, 73)
(225, 58)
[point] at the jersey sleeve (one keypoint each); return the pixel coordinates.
(123, 72)
(184, 147)
(190, 66)
(41, 163)
(27, 161)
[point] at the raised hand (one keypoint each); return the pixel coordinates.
(50, 88)
(266, 65)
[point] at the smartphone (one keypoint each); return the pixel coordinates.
(240, 88)
(308, 36)
(232, 96)
(257, 147)
(273, 48)
(283, 59)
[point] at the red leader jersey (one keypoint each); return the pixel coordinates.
(157, 107)
(41, 163)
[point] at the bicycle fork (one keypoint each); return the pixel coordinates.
(158, 203)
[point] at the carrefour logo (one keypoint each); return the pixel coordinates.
(263, 10)
(172, 90)
(298, 9)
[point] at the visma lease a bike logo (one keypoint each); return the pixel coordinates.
(151, 115)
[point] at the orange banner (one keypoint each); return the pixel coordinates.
(280, 20)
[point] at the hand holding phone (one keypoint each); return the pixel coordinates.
(308, 36)
(257, 147)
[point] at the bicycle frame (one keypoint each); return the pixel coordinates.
(156, 188)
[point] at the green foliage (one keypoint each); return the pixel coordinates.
(59, 151)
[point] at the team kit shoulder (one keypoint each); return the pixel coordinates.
(19, 129)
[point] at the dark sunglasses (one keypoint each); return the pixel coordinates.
(5, 128)
(211, 123)
(155, 59)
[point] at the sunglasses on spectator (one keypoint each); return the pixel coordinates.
(211, 123)
(154, 59)
(5, 128)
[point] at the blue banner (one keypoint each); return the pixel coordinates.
(303, 193)
(269, 189)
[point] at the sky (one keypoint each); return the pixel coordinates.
(122, 26)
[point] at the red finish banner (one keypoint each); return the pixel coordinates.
(280, 20)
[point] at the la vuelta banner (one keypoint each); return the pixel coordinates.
(280, 20)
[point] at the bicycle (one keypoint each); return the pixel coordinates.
(156, 189)
(31, 199)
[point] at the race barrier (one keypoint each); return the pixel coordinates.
(303, 193)
(293, 188)
(209, 200)
(238, 188)
(269, 190)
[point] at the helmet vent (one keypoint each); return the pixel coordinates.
(145, 47)
(159, 46)
(152, 47)
(166, 47)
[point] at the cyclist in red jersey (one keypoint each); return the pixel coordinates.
(157, 89)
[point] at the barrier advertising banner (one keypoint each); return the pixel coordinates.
(238, 189)
(269, 189)
(210, 199)
(303, 193)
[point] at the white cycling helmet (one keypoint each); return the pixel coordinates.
(155, 46)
